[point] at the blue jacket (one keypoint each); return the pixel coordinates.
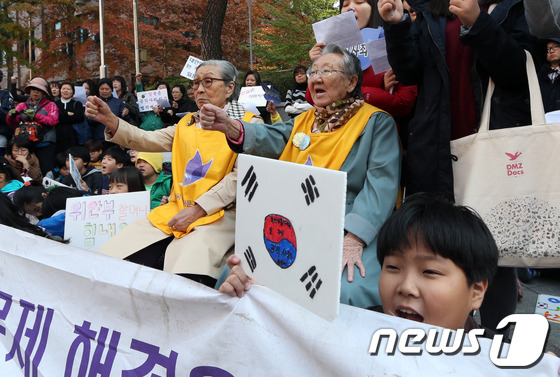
(416, 53)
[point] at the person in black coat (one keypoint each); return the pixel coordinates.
(451, 51)
(549, 76)
(70, 112)
(179, 105)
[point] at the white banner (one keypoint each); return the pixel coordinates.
(65, 311)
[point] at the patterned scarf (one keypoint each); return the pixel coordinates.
(233, 109)
(334, 116)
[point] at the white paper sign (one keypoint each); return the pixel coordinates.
(252, 94)
(92, 220)
(190, 67)
(341, 29)
(283, 207)
(149, 99)
(65, 311)
(80, 94)
(75, 173)
(377, 51)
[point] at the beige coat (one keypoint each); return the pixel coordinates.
(202, 251)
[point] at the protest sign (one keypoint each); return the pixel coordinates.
(66, 311)
(549, 307)
(74, 172)
(252, 95)
(279, 204)
(271, 95)
(190, 67)
(80, 94)
(92, 220)
(341, 29)
(149, 99)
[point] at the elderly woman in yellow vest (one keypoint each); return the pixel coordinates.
(341, 133)
(190, 235)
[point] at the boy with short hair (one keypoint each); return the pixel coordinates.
(159, 184)
(437, 259)
(60, 170)
(90, 175)
(113, 159)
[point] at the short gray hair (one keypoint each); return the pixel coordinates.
(229, 74)
(350, 65)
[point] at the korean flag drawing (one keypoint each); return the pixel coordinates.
(289, 230)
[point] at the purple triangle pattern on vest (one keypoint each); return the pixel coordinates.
(195, 169)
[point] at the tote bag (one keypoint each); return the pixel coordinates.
(511, 178)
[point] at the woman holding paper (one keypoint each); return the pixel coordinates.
(268, 112)
(192, 234)
(382, 89)
(341, 132)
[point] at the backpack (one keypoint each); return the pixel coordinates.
(31, 130)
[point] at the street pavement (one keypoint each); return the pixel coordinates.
(548, 283)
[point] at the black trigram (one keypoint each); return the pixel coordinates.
(310, 190)
(250, 180)
(314, 283)
(250, 258)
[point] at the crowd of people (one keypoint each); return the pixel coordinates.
(389, 131)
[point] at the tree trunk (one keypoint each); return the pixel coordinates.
(212, 29)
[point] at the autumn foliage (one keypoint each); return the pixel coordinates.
(169, 32)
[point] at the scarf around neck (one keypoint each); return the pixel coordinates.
(335, 115)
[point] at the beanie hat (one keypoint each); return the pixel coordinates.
(154, 159)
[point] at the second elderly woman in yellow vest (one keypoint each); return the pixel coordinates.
(341, 132)
(192, 233)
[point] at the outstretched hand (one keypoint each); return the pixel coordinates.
(98, 110)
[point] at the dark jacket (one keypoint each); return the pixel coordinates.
(417, 55)
(550, 90)
(6, 104)
(92, 177)
(183, 106)
(65, 134)
(117, 107)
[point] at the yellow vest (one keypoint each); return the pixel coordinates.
(200, 159)
(330, 149)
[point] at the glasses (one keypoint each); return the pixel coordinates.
(207, 82)
(324, 73)
(551, 48)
